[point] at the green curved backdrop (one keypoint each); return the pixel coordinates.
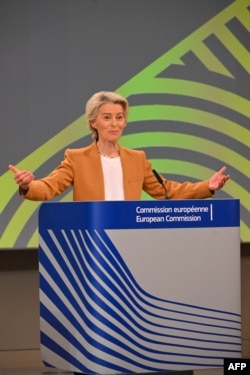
(189, 110)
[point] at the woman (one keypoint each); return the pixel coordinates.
(106, 171)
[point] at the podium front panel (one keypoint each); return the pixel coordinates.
(139, 286)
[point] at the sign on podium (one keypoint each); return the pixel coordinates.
(139, 286)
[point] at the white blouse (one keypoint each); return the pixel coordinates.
(113, 178)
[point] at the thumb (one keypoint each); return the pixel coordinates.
(222, 170)
(13, 168)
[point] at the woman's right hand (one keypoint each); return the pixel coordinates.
(22, 178)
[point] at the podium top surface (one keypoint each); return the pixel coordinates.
(142, 214)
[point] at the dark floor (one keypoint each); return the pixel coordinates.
(34, 371)
(49, 371)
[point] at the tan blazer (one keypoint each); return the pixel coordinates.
(82, 169)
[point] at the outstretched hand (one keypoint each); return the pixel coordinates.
(218, 180)
(23, 178)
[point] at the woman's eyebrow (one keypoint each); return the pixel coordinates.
(110, 113)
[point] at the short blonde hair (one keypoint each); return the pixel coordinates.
(97, 100)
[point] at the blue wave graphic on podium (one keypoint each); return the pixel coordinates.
(95, 316)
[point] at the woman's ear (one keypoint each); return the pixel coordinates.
(92, 124)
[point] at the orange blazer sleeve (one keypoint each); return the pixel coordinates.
(81, 169)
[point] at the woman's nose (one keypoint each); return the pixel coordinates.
(114, 121)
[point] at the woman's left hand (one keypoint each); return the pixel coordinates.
(218, 180)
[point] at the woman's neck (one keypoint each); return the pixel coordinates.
(109, 150)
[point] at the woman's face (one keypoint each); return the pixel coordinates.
(110, 122)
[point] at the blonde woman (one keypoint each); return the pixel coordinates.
(106, 171)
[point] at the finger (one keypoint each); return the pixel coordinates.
(13, 168)
(222, 170)
(24, 177)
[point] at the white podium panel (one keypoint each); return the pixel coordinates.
(139, 286)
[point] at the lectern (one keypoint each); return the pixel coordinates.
(139, 286)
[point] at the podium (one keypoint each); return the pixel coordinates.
(139, 286)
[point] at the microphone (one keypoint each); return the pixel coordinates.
(160, 180)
